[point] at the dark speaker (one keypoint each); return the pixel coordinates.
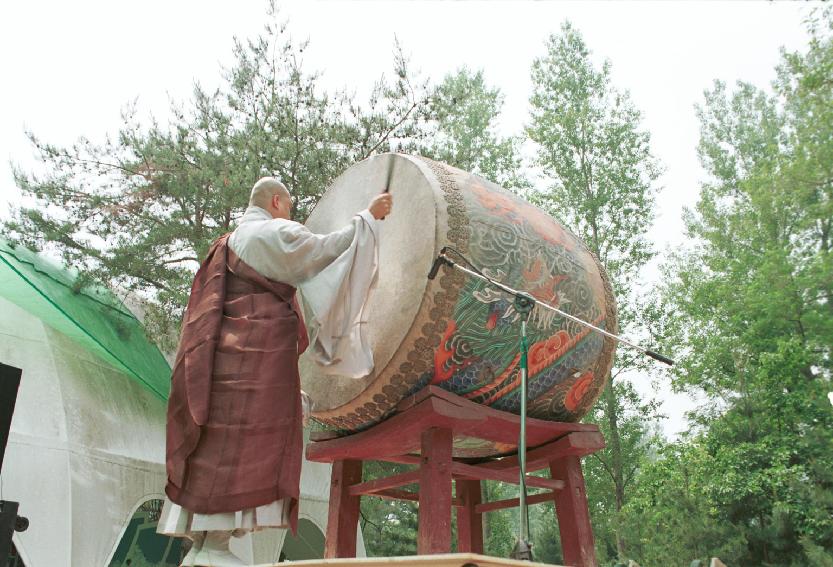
(9, 520)
(9, 383)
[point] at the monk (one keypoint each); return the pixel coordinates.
(234, 435)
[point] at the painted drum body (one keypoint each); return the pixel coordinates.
(454, 331)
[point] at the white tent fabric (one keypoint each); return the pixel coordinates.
(87, 448)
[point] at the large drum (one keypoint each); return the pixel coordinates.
(454, 331)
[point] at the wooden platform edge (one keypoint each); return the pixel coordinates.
(439, 560)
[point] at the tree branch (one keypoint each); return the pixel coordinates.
(390, 131)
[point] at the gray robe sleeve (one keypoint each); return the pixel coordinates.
(335, 300)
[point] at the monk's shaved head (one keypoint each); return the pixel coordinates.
(264, 190)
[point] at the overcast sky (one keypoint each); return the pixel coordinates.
(69, 67)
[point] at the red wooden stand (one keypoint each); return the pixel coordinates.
(431, 430)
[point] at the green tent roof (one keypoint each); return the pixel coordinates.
(92, 316)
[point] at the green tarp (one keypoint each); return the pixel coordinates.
(92, 316)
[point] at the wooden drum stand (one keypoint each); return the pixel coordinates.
(422, 432)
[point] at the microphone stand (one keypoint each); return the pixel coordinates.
(524, 303)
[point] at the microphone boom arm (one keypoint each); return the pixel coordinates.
(443, 259)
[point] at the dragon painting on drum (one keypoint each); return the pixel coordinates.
(516, 244)
(457, 332)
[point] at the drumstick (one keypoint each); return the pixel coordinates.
(390, 175)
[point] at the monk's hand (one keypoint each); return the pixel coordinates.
(381, 205)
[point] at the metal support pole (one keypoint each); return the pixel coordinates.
(522, 444)
(523, 305)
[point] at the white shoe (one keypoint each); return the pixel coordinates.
(196, 544)
(215, 552)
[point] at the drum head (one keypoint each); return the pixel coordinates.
(407, 247)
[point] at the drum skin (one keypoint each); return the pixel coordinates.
(456, 332)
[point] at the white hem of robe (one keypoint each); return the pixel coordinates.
(177, 521)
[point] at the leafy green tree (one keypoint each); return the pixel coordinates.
(463, 116)
(638, 437)
(389, 527)
(752, 299)
(500, 527)
(603, 186)
(669, 519)
(546, 539)
(599, 161)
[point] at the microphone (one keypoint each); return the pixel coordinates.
(660, 357)
(438, 261)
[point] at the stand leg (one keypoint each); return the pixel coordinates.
(434, 534)
(573, 515)
(343, 517)
(469, 522)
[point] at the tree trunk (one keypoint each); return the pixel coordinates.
(614, 442)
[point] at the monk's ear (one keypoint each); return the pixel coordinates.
(276, 201)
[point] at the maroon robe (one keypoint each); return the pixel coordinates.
(234, 437)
